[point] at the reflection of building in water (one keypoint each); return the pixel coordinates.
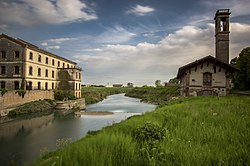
(11, 128)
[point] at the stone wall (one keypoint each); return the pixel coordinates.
(65, 107)
(12, 99)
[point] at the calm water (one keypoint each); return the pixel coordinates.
(22, 140)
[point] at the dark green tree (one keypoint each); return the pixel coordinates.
(241, 78)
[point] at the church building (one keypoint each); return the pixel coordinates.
(210, 75)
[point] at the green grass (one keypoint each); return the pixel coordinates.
(199, 131)
(95, 94)
(156, 95)
(35, 108)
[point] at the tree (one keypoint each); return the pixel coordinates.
(241, 79)
(158, 83)
(130, 84)
(174, 80)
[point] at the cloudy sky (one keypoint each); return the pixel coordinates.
(121, 41)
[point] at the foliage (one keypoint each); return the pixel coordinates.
(158, 83)
(149, 132)
(21, 92)
(130, 84)
(62, 143)
(241, 78)
(95, 94)
(62, 95)
(3, 91)
(201, 131)
(156, 95)
(37, 107)
(173, 81)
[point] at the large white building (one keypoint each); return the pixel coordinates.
(24, 65)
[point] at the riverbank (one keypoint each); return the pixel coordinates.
(95, 94)
(155, 95)
(196, 131)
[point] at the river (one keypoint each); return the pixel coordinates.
(22, 140)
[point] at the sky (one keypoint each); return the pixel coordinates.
(121, 41)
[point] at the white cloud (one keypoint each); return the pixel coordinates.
(3, 26)
(45, 11)
(60, 40)
(149, 61)
(141, 10)
(116, 34)
(53, 47)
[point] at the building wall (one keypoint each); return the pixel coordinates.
(192, 82)
(12, 99)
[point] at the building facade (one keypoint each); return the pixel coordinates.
(26, 66)
(210, 75)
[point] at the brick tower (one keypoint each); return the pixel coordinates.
(222, 35)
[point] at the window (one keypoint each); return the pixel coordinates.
(67, 65)
(52, 85)
(39, 85)
(31, 56)
(58, 64)
(2, 84)
(53, 74)
(76, 75)
(79, 86)
(30, 71)
(39, 72)
(39, 58)
(29, 86)
(76, 86)
(3, 54)
(46, 86)
(17, 71)
(17, 54)
(207, 79)
(47, 60)
(16, 85)
(63, 65)
(46, 73)
(53, 62)
(3, 70)
(79, 75)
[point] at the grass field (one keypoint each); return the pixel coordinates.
(198, 131)
(156, 95)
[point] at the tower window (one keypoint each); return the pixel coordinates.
(58, 64)
(53, 74)
(53, 85)
(53, 62)
(3, 54)
(47, 60)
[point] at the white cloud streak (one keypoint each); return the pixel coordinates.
(45, 11)
(141, 10)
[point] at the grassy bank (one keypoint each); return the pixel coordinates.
(156, 95)
(35, 108)
(95, 94)
(197, 131)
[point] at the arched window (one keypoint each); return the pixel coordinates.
(207, 79)
(39, 85)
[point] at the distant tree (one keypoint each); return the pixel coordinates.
(158, 83)
(241, 79)
(130, 84)
(174, 80)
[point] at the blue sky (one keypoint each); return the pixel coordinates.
(119, 41)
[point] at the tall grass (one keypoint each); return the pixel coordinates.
(199, 131)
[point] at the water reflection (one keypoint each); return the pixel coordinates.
(22, 140)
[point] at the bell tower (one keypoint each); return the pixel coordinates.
(222, 35)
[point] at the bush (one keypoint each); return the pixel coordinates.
(60, 95)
